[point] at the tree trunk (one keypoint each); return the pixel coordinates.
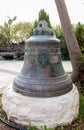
(71, 41)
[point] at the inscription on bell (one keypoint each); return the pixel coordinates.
(54, 58)
(43, 56)
(33, 59)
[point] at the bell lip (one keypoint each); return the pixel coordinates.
(43, 94)
(58, 88)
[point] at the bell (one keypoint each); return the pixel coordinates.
(42, 74)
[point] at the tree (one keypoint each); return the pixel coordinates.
(72, 44)
(6, 30)
(3, 39)
(21, 31)
(59, 34)
(79, 32)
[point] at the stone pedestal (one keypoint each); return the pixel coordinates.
(52, 112)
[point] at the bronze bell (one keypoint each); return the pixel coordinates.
(42, 74)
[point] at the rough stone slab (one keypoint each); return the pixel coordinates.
(52, 112)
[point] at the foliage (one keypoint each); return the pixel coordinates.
(81, 62)
(31, 127)
(46, 128)
(81, 109)
(6, 30)
(79, 32)
(2, 39)
(59, 34)
(82, 49)
(21, 31)
(14, 33)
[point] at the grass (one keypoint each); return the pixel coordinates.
(78, 124)
(81, 109)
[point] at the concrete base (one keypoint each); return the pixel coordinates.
(52, 112)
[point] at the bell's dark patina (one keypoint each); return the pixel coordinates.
(42, 74)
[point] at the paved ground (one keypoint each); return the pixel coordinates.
(9, 69)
